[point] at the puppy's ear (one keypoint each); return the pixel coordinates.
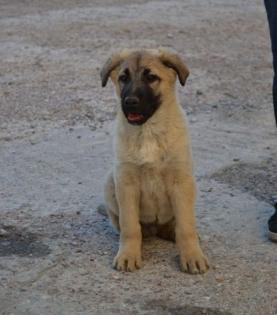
(170, 59)
(112, 63)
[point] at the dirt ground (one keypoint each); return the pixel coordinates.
(56, 128)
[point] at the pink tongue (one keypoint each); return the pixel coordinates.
(134, 116)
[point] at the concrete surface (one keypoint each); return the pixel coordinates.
(55, 149)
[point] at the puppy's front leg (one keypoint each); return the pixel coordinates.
(182, 199)
(128, 257)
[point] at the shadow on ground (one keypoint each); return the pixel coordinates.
(162, 307)
(14, 241)
(258, 179)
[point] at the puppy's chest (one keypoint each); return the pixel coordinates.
(154, 199)
(146, 150)
(149, 152)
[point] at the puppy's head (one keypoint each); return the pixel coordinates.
(143, 79)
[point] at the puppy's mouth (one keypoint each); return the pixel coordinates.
(135, 118)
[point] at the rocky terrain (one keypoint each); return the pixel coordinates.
(56, 128)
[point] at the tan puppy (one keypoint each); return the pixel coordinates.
(152, 181)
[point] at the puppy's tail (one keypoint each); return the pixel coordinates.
(102, 210)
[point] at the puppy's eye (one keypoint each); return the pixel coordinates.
(151, 77)
(123, 77)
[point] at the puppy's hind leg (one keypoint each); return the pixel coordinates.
(111, 207)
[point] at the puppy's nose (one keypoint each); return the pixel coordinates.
(131, 102)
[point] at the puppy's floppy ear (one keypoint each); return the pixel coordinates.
(112, 63)
(170, 59)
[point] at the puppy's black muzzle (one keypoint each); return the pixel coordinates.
(139, 103)
(133, 110)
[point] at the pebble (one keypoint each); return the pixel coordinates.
(84, 272)
(3, 232)
(219, 278)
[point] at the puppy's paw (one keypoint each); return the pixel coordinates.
(194, 261)
(127, 261)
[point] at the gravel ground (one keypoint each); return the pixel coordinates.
(56, 128)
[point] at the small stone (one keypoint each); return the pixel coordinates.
(3, 232)
(7, 138)
(219, 278)
(84, 272)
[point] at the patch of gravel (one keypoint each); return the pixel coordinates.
(258, 179)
